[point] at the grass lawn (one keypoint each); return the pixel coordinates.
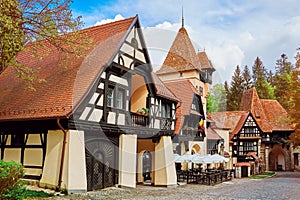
(262, 175)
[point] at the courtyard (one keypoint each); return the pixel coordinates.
(285, 185)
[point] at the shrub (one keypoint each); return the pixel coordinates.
(12, 186)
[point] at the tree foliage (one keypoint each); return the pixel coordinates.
(247, 79)
(216, 101)
(294, 109)
(23, 22)
(263, 88)
(235, 91)
(282, 81)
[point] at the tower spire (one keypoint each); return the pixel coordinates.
(182, 18)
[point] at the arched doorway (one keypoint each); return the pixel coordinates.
(277, 159)
(100, 163)
(147, 166)
(196, 149)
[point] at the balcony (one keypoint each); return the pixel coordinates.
(138, 120)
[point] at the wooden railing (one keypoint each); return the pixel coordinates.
(139, 120)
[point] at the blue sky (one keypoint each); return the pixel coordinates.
(231, 32)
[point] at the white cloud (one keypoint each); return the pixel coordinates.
(232, 32)
(105, 21)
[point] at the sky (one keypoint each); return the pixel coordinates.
(231, 32)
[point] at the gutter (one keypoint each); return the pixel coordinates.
(58, 187)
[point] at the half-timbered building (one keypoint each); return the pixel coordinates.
(258, 135)
(97, 120)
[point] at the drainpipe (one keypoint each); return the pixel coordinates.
(62, 155)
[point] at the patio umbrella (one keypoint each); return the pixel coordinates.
(198, 158)
(208, 159)
(185, 157)
(219, 159)
(176, 156)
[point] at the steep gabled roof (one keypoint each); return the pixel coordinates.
(185, 92)
(204, 61)
(251, 102)
(181, 56)
(65, 86)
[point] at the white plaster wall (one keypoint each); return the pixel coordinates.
(127, 160)
(225, 135)
(201, 145)
(76, 166)
(165, 172)
(52, 159)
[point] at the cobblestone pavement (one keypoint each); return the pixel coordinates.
(286, 185)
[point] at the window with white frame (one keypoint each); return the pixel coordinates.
(120, 98)
(110, 97)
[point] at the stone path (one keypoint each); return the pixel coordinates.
(286, 185)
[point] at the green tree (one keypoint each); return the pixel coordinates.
(263, 88)
(282, 81)
(23, 22)
(216, 101)
(227, 94)
(235, 91)
(247, 79)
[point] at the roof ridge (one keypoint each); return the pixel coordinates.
(107, 24)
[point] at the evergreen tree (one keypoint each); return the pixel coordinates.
(270, 77)
(263, 88)
(282, 81)
(227, 94)
(247, 79)
(235, 91)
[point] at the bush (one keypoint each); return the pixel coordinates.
(12, 186)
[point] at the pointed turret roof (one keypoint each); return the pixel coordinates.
(181, 56)
(204, 61)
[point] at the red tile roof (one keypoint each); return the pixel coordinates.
(65, 86)
(162, 90)
(183, 90)
(231, 120)
(277, 115)
(212, 134)
(269, 114)
(204, 61)
(181, 56)
(228, 120)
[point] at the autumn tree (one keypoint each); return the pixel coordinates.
(22, 22)
(263, 88)
(294, 109)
